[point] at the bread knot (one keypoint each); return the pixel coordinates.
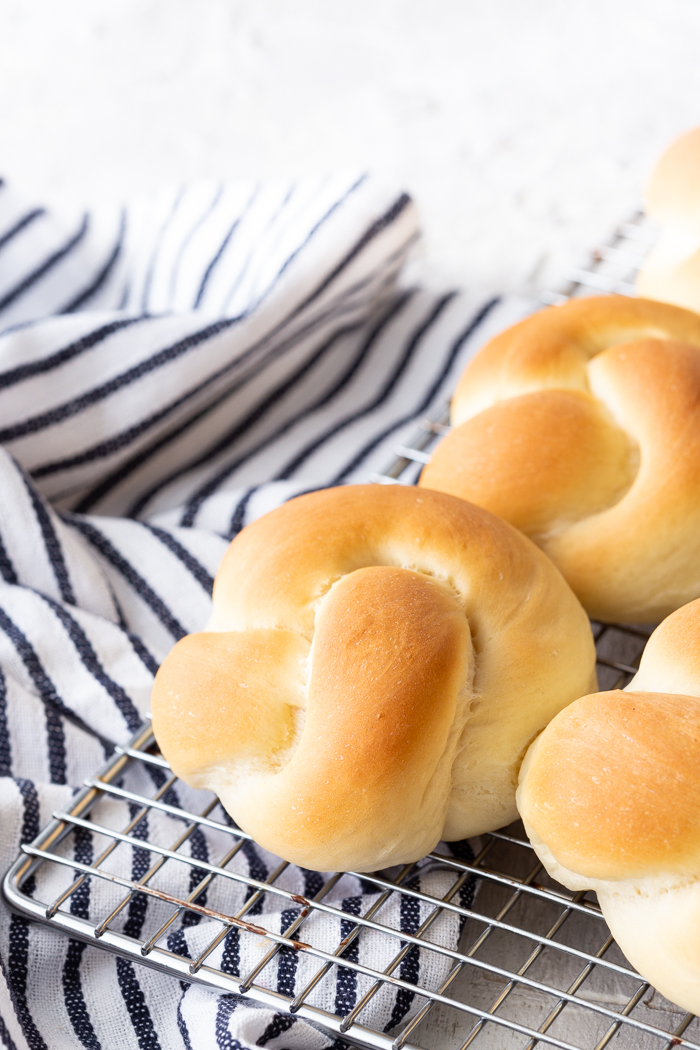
(377, 660)
(671, 271)
(610, 797)
(581, 426)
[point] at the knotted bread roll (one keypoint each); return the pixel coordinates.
(671, 271)
(581, 426)
(377, 661)
(610, 797)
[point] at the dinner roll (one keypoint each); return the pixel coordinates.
(610, 797)
(581, 426)
(377, 661)
(671, 271)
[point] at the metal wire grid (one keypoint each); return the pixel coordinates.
(536, 964)
(569, 969)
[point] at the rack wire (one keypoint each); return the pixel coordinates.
(535, 965)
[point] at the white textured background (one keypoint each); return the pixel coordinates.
(524, 128)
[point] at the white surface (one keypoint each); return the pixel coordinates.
(524, 128)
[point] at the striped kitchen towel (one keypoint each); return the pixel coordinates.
(169, 371)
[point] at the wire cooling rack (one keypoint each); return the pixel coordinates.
(535, 965)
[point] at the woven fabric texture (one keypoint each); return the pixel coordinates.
(169, 371)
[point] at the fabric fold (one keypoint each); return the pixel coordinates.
(169, 371)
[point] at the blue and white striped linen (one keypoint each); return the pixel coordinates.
(169, 371)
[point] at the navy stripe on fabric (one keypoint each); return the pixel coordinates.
(47, 265)
(297, 251)
(132, 577)
(91, 662)
(209, 210)
(194, 567)
(159, 777)
(231, 955)
(136, 1005)
(86, 342)
(5, 746)
(5, 1036)
(409, 968)
(177, 943)
(378, 399)
(222, 248)
(181, 1024)
(132, 993)
(238, 516)
(313, 882)
(7, 569)
(467, 891)
(279, 1024)
(30, 818)
(105, 390)
(18, 960)
(147, 658)
(17, 970)
(116, 442)
(148, 280)
(287, 958)
(126, 437)
(240, 276)
(73, 996)
(199, 850)
(427, 398)
(56, 738)
(20, 225)
(138, 905)
(226, 1004)
(346, 979)
(43, 684)
(52, 544)
(377, 227)
(255, 416)
(326, 397)
(137, 460)
(258, 870)
(102, 275)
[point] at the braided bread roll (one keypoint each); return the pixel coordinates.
(377, 661)
(610, 797)
(581, 426)
(671, 271)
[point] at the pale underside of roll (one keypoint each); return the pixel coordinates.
(671, 271)
(610, 797)
(377, 662)
(581, 426)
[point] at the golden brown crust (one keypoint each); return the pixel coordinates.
(230, 696)
(674, 186)
(441, 641)
(613, 785)
(671, 658)
(610, 795)
(671, 272)
(539, 460)
(551, 348)
(391, 658)
(600, 461)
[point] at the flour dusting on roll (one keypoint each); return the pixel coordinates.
(610, 797)
(377, 662)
